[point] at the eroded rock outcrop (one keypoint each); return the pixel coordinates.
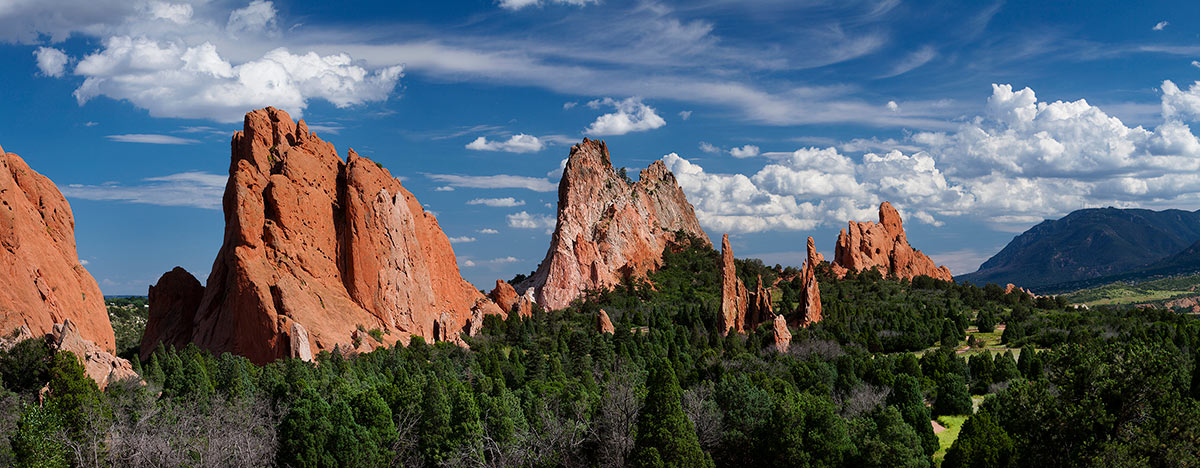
(758, 306)
(884, 247)
(810, 297)
(607, 228)
(505, 296)
(42, 282)
(335, 246)
(783, 336)
(173, 302)
(603, 323)
(99, 364)
(734, 297)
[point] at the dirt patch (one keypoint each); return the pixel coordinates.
(937, 428)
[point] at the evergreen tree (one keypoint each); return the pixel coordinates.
(906, 396)
(36, 442)
(665, 436)
(952, 396)
(981, 444)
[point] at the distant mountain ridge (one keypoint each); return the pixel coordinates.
(1094, 243)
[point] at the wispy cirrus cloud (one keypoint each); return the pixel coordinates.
(497, 202)
(193, 189)
(497, 181)
(150, 138)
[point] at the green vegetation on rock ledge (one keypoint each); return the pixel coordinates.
(1102, 387)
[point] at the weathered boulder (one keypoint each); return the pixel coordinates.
(9, 340)
(734, 298)
(99, 364)
(783, 336)
(505, 296)
(810, 298)
(608, 229)
(173, 302)
(884, 247)
(603, 323)
(42, 282)
(336, 246)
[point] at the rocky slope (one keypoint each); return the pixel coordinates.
(883, 246)
(317, 248)
(42, 282)
(1093, 243)
(608, 228)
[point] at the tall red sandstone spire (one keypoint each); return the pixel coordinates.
(810, 297)
(607, 228)
(316, 251)
(733, 293)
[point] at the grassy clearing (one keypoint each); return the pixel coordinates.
(946, 438)
(1125, 293)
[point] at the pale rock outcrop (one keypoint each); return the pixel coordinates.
(607, 229)
(42, 282)
(22, 333)
(810, 298)
(98, 364)
(603, 323)
(734, 297)
(336, 246)
(884, 247)
(783, 336)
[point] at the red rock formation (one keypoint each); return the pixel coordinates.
(173, 303)
(604, 324)
(884, 247)
(506, 297)
(758, 307)
(99, 364)
(734, 298)
(810, 298)
(607, 229)
(9, 340)
(1009, 288)
(329, 244)
(42, 282)
(783, 336)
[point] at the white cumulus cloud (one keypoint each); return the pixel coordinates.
(1161, 25)
(525, 220)
(519, 143)
(171, 79)
(51, 61)
(631, 116)
(746, 151)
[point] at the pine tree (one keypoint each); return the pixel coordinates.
(665, 436)
(907, 398)
(981, 444)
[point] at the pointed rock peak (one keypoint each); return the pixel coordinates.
(783, 336)
(607, 228)
(884, 247)
(890, 218)
(734, 297)
(812, 251)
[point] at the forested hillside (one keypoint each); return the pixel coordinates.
(1108, 387)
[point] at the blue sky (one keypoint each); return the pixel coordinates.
(782, 119)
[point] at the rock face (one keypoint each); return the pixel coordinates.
(734, 298)
(99, 364)
(173, 303)
(42, 282)
(884, 247)
(810, 300)
(335, 246)
(604, 324)
(783, 336)
(758, 307)
(608, 229)
(505, 296)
